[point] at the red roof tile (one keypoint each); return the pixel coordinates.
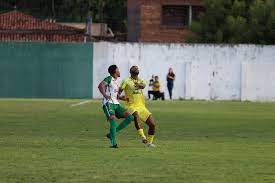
(18, 26)
(16, 20)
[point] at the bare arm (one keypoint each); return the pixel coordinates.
(140, 85)
(119, 94)
(124, 98)
(121, 97)
(102, 88)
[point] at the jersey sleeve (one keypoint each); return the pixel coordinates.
(123, 84)
(108, 80)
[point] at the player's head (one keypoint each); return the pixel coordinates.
(156, 78)
(114, 71)
(134, 70)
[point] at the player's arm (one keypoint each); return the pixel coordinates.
(120, 91)
(140, 85)
(120, 97)
(102, 88)
(124, 98)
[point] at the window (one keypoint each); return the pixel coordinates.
(175, 16)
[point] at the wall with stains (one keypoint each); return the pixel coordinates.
(203, 71)
(258, 81)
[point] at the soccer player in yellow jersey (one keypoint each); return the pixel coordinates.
(135, 104)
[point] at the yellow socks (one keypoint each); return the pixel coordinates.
(150, 139)
(141, 133)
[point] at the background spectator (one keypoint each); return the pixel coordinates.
(170, 81)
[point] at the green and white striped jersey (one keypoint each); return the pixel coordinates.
(111, 90)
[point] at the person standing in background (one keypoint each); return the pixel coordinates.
(170, 81)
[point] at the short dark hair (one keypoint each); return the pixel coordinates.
(131, 69)
(112, 69)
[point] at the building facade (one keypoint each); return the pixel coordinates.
(18, 26)
(161, 20)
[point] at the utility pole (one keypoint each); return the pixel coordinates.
(190, 16)
(53, 10)
(15, 6)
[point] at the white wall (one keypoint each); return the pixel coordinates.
(202, 71)
(258, 88)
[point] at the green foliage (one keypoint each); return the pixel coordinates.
(108, 11)
(193, 38)
(237, 21)
(196, 27)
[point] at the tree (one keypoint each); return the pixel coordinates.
(236, 21)
(106, 11)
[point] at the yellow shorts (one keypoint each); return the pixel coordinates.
(143, 112)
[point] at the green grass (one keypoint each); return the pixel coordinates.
(204, 142)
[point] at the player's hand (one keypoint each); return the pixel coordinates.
(107, 97)
(139, 86)
(123, 98)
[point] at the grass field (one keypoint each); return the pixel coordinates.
(197, 141)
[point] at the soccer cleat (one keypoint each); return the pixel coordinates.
(144, 140)
(151, 145)
(109, 137)
(114, 146)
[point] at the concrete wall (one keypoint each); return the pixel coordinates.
(258, 88)
(202, 71)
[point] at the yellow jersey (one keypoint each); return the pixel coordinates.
(156, 86)
(134, 94)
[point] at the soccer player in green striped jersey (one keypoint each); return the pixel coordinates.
(112, 108)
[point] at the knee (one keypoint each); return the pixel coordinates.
(135, 114)
(130, 117)
(127, 114)
(112, 118)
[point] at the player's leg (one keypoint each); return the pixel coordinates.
(121, 112)
(139, 127)
(110, 114)
(137, 121)
(146, 115)
(151, 131)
